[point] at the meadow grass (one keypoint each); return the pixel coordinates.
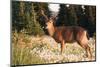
(28, 49)
(21, 54)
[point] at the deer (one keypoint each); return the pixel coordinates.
(68, 34)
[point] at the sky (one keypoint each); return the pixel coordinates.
(54, 7)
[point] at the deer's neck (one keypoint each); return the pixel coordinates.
(51, 31)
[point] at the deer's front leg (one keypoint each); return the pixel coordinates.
(62, 46)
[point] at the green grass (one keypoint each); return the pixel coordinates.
(22, 55)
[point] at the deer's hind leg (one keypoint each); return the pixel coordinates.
(83, 42)
(88, 52)
(87, 49)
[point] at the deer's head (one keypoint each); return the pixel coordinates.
(49, 22)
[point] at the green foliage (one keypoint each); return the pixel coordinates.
(67, 16)
(63, 16)
(26, 16)
(33, 26)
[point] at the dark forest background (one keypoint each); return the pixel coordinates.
(27, 18)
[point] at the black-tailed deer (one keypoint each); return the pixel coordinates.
(63, 34)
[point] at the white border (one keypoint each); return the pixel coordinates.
(5, 33)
